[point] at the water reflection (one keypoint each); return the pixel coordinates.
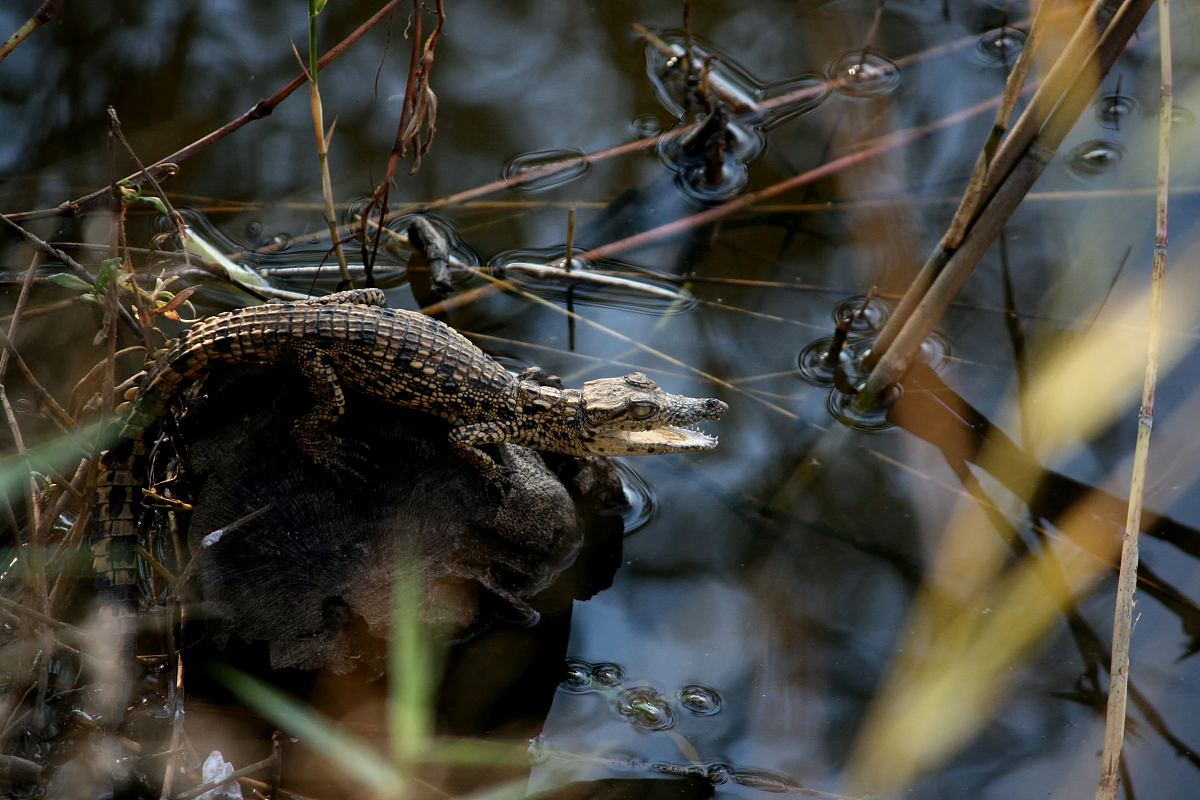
(753, 102)
(606, 282)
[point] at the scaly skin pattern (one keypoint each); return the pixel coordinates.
(349, 340)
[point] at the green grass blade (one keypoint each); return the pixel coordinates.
(354, 757)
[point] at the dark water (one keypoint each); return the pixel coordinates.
(757, 616)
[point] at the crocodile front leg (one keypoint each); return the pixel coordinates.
(467, 439)
(311, 430)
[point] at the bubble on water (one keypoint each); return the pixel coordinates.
(1001, 46)
(1095, 157)
(577, 676)
(539, 170)
(865, 314)
(1113, 109)
(645, 708)
(608, 674)
(254, 229)
(864, 74)
(280, 241)
(641, 503)
(701, 700)
(644, 126)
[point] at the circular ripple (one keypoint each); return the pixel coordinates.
(844, 408)
(863, 74)
(645, 708)
(701, 700)
(1113, 109)
(695, 184)
(640, 499)
(1095, 157)
(1001, 46)
(866, 314)
(645, 125)
(817, 368)
(606, 674)
(935, 350)
(577, 676)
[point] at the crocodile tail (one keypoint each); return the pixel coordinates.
(118, 503)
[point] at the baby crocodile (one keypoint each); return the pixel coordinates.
(349, 340)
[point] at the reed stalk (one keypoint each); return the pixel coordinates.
(315, 7)
(898, 355)
(1118, 687)
(1066, 71)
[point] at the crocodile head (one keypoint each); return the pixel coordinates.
(630, 416)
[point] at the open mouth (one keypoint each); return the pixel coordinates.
(668, 438)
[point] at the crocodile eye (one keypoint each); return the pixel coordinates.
(640, 381)
(642, 409)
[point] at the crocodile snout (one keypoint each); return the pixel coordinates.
(714, 408)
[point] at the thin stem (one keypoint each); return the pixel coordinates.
(1118, 688)
(46, 12)
(318, 118)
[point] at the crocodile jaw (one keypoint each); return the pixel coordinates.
(667, 439)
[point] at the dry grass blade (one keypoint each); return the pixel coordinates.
(322, 140)
(1114, 723)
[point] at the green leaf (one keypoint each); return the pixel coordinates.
(69, 281)
(316, 7)
(133, 196)
(108, 268)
